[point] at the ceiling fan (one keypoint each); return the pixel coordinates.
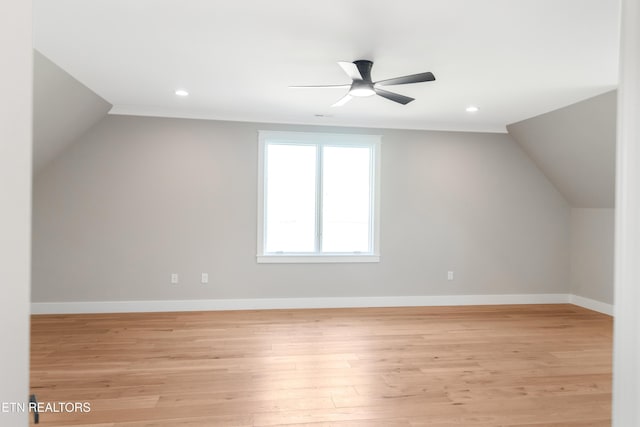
(362, 85)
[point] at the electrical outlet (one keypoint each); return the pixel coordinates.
(205, 278)
(174, 278)
(450, 275)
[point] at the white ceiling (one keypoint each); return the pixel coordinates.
(513, 59)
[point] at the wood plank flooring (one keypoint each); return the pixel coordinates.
(524, 365)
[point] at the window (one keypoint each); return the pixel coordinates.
(318, 197)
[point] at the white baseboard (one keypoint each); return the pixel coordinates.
(281, 303)
(592, 304)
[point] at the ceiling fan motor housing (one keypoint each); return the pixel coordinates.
(364, 67)
(363, 87)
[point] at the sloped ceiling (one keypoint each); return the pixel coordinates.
(512, 59)
(575, 147)
(63, 109)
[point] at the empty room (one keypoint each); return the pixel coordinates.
(338, 213)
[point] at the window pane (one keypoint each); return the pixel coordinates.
(346, 199)
(291, 198)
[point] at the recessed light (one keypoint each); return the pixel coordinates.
(472, 109)
(182, 92)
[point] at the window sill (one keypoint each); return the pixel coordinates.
(314, 259)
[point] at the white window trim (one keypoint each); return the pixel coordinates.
(332, 139)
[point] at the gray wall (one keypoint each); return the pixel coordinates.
(592, 236)
(136, 199)
(15, 203)
(575, 147)
(63, 109)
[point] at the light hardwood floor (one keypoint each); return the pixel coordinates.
(525, 365)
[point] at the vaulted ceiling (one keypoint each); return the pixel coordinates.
(512, 59)
(532, 67)
(63, 109)
(575, 147)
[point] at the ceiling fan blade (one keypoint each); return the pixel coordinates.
(321, 87)
(396, 97)
(413, 78)
(351, 69)
(343, 101)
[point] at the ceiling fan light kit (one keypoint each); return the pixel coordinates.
(363, 86)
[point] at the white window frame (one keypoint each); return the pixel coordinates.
(319, 140)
